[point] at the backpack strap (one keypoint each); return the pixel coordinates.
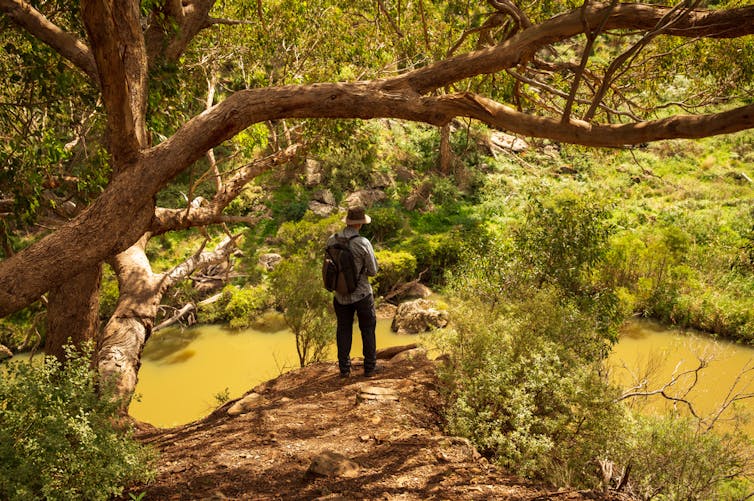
(358, 275)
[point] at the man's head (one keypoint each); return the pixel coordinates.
(357, 217)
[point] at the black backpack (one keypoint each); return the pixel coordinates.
(339, 268)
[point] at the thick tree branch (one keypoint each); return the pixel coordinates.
(174, 219)
(65, 44)
(118, 44)
(99, 232)
(520, 47)
(198, 261)
(168, 34)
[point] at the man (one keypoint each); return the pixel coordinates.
(360, 301)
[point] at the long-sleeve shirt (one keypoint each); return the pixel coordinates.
(366, 265)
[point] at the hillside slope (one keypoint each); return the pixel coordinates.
(381, 436)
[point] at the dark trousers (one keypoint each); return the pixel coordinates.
(364, 310)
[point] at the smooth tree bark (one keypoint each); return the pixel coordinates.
(141, 290)
(117, 55)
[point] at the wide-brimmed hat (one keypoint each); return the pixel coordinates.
(357, 215)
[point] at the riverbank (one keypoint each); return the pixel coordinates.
(386, 431)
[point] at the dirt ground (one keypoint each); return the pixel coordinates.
(385, 430)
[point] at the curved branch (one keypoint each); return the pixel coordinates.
(99, 232)
(65, 44)
(176, 219)
(172, 29)
(520, 47)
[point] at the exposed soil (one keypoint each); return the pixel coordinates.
(391, 433)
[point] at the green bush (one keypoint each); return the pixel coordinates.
(387, 224)
(672, 459)
(245, 304)
(57, 439)
(435, 254)
(306, 304)
(518, 387)
(395, 268)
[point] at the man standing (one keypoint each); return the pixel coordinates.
(360, 301)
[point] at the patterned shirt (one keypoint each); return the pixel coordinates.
(366, 265)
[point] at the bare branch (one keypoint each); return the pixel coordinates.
(173, 219)
(198, 261)
(591, 36)
(390, 20)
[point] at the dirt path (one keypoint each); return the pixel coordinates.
(384, 433)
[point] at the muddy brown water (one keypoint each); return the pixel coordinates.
(184, 373)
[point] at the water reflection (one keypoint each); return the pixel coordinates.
(183, 371)
(704, 371)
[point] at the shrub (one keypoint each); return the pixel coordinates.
(395, 268)
(57, 439)
(306, 304)
(519, 389)
(245, 304)
(672, 459)
(387, 224)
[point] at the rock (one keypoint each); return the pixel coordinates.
(390, 352)
(313, 172)
(324, 196)
(415, 353)
(381, 180)
(386, 310)
(332, 464)
(404, 174)
(5, 352)
(508, 142)
(418, 316)
(376, 393)
(245, 405)
(365, 198)
(270, 260)
(320, 209)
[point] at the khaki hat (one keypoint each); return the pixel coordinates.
(356, 215)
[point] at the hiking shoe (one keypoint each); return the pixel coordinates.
(344, 375)
(371, 373)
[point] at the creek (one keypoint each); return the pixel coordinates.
(185, 373)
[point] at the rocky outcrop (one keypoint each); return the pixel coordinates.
(246, 404)
(313, 172)
(5, 352)
(386, 310)
(365, 198)
(270, 260)
(320, 209)
(332, 464)
(421, 315)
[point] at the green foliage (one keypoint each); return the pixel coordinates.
(57, 438)
(389, 224)
(672, 459)
(563, 237)
(108, 294)
(529, 332)
(519, 388)
(306, 304)
(239, 307)
(307, 236)
(437, 253)
(395, 268)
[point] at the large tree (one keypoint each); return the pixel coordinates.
(515, 69)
